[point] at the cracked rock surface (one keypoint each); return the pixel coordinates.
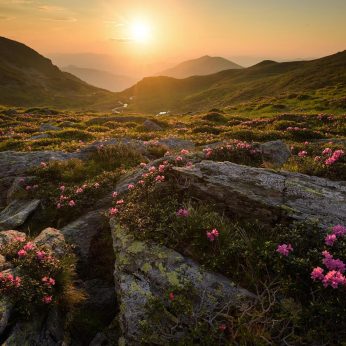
(267, 195)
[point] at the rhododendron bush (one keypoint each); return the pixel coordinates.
(39, 279)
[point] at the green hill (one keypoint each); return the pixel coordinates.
(29, 79)
(199, 67)
(230, 87)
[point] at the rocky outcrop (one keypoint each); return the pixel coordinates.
(151, 126)
(176, 143)
(53, 239)
(146, 269)
(48, 127)
(83, 230)
(16, 213)
(5, 185)
(43, 135)
(11, 112)
(14, 163)
(17, 185)
(267, 195)
(8, 237)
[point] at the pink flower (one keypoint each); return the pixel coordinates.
(19, 239)
(330, 239)
(182, 212)
(113, 211)
(123, 171)
(21, 253)
(47, 299)
(79, 190)
(161, 168)
(62, 198)
(339, 231)
(160, 178)
(215, 233)
(51, 282)
(143, 164)
(72, 203)
(333, 278)
(28, 187)
(284, 249)
(115, 194)
(330, 161)
(144, 175)
(29, 246)
(302, 153)
(331, 263)
(17, 281)
(21, 180)
(62, 188)
(97, 185)
(45, 279)
(223, 327)
(120, 201)
(58, 205)
(179, 158)
(188, 164)
(152, 169)
(317, 158)
(130, 187)
(317, 273)
(171, 296)
(40, 254)
(35, 186)
(29, 147)
(208, 153)
(327, 151)
(84, 186)
(184, 152)
(210, 236)
(43, 164)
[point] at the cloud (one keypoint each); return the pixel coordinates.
(115, 23)
(49, 8)
(121, 39)
(62, 19)
(6, 18)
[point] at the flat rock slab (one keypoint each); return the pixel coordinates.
(16, 213)
(14, 163)
(267, 195)
(146, 269)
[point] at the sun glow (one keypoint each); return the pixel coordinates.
(140, 32)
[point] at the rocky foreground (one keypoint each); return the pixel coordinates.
(145, 269)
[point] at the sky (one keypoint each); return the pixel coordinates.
(167, 30)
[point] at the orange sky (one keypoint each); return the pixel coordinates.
(178, 29)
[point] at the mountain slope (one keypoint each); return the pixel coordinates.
(27, 78)
(228, 87)
(101, 79)
(199, 67)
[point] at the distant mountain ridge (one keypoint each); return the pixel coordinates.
(101, 79)
(27, 78)
(199, 67)
(266, 79)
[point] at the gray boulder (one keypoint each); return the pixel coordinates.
(8, 237)
(14, 163)
(267, 195)
(16, 213)
(279, 151)
(53, 239)
(66, 124)
(48, 127)
(83, 230)
(151, 126)
(5, 311)
(43, 135)
(11, 112)
(146, 269)
(176, 143)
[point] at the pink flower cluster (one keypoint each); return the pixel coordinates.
(48, 281)
(212, 234)
(182, 212)
(302, 153)
(10, 279)
(284, 249)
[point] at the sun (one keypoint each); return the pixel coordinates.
(140, 32)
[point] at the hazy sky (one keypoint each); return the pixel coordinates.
(178, 28)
